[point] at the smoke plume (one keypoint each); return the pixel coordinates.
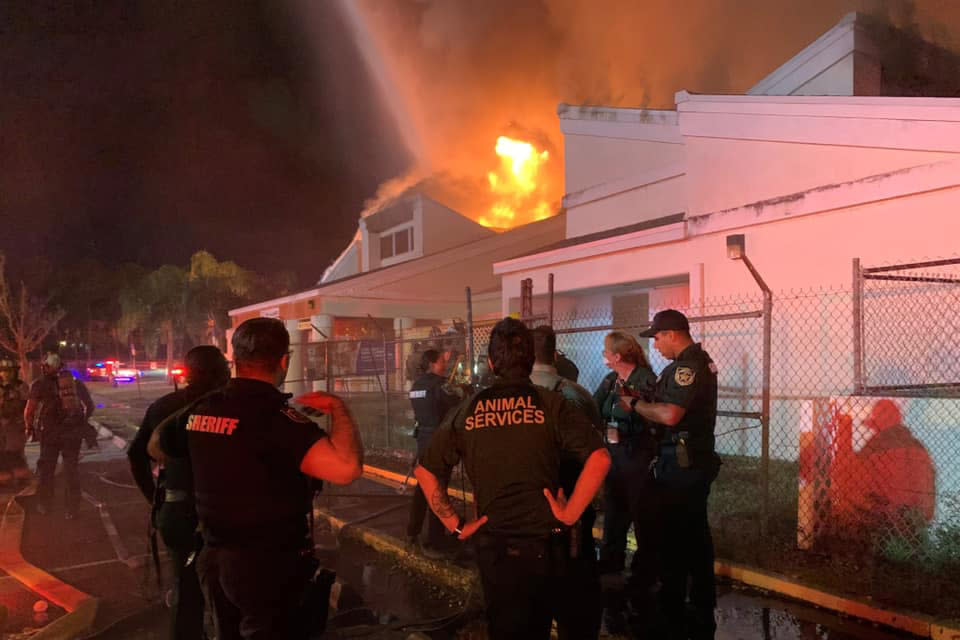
(467, 72)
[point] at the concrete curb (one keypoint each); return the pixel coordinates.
(448, 574)
(917, 624)
(104, 432)
(71, 625)
(81, 608)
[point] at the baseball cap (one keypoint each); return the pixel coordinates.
(666, 320)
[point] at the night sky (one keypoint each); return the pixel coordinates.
(145, 130)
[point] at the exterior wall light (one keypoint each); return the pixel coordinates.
(736, 246)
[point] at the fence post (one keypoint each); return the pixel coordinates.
(526, 299)
(328, 365)
(386, 391)
(470, 345)
(857, 327)
(765, 396)
(765, 409)
(550, 299)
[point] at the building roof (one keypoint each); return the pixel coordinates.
(607, 233)
(439, 276)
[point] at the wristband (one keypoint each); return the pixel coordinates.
(633, 404)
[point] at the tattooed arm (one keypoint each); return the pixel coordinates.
(436, 494)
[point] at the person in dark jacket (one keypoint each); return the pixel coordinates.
(253, 459)
(431, 401)
(684, 403)
(175, 514)
(628, 496)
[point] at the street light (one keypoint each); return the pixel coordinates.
(737, 250)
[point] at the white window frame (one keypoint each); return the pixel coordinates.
(392, 234)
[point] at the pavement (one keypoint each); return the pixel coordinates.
(96, 570)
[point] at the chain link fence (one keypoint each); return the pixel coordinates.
(848, 475)
(374, 375)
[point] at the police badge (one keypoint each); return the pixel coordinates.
(684, 376)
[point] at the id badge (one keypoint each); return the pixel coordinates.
(613, 434)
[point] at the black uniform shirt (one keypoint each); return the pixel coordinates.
(690, 381)
(511, 437)
(631, 425)
(430, 402)
(140, 463)
(245, 446)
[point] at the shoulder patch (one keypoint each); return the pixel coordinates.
(684, 376)
(295, 415)
(713, 368)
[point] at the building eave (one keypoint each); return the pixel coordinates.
(621, 242)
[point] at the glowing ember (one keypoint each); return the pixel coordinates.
(518, 186)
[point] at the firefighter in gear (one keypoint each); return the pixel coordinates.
(252, 458)
(685, 402)
(511, 437)
(58, 407)
(13, 436)
(431, 400)
(174, 511)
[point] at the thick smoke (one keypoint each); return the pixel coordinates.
(470, 71)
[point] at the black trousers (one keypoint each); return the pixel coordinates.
(419, 510)
(628, 498)
(580, 607)
(177, 524)
(523, 583)
(54, 445)
(255, 594)
(687, 553)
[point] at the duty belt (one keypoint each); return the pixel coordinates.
(175, 495)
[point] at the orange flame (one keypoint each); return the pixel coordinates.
(518, 187)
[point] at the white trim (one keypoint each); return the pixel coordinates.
(861, 106)
(601, 113)
(904, 134)
(896, 184)
(636, 239)
(831, 47)
(397, 258)
(629, 183)
(294, 297)
(663, 133)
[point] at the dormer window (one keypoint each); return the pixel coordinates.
(396, 243)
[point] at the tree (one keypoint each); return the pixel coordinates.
(158, 306)
(215, 287)
(171, 304)
(27, 320)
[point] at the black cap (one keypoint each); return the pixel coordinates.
(666, 320)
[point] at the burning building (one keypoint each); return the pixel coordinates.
(839, 154)
(403, 275)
